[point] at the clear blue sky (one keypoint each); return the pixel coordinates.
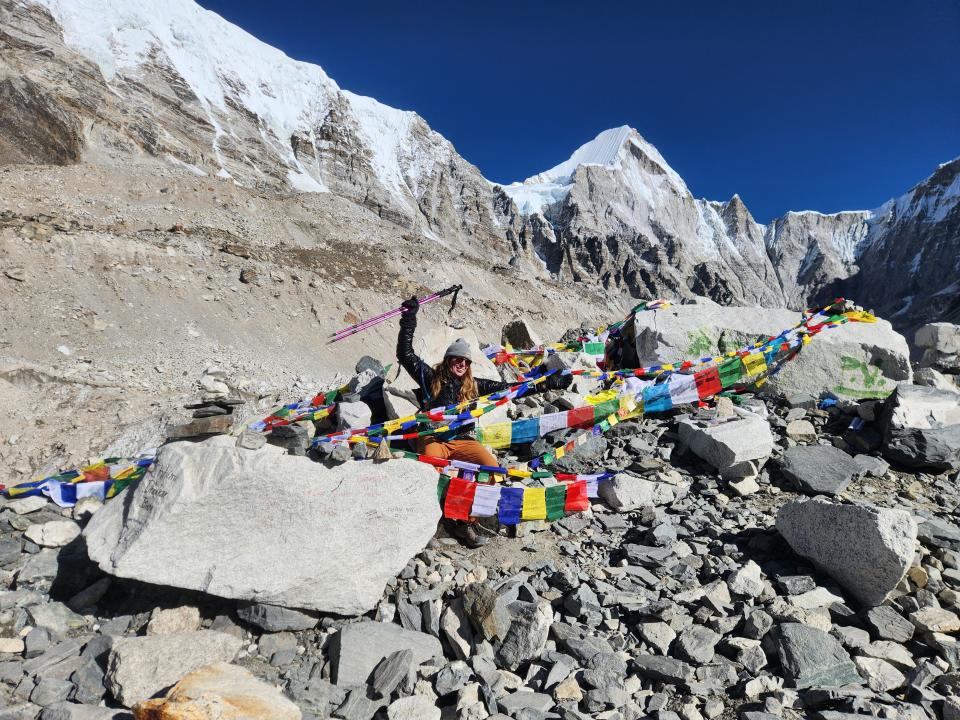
(803, 106)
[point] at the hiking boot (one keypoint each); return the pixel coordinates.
(466, 533)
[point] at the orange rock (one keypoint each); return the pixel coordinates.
(219, 692)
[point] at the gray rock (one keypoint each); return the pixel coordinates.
(90, 596)
(72, 711)
(55, 617)
(888, 624)
(356, 707)
(279, 648)
(819, 469)
(353, 415)
(455, 626)
(354, 527)
(528, 633)
(415, 707)
(941, 344)
(358, 648)
(627, 492)
(810, 657)
(295, 439)
(938, 532)
(515, 702)
(392, 671)
(921, 428)
(89, 682)
(273, 618)
(10, 551)
(866, 549)
(738, 447)
(51, 690)
(872, 466)
(663, 669)
(657, 634)
(487, 610)
(140, 667)
(696, 644)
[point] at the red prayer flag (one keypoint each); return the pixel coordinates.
(459, 499)
(580, 417)
(577, 500)
(708, 382)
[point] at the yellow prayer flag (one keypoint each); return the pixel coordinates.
(534, 504)
(560, 452)
(860, 316)
(497, 435)
(754, 363)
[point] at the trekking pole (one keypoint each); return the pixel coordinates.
(371, 322)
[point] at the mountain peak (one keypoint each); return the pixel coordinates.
(602, 150)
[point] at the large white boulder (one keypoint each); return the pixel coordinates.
(865, 548)
(268, 527)
(855, 360)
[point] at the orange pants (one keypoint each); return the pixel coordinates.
(470, 451)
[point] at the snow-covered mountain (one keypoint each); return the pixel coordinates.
(616, 210)
(173, 81)
(134, 81)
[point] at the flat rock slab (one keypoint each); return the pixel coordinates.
(268, 527)
(865, 548)
(219, 691)
(737, 447)
(140, 667)
(813, 658)
(358, 648)
(921, 428)
(626, 492)
(821, 469)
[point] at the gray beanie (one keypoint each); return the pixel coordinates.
(458, 348)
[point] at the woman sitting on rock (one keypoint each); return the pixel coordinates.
(450, 382)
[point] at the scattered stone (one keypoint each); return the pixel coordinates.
(487, 611)
(663, 669)
(56, 618)
(139, 667)
(392, 670)
(355, 527)
(657, 634)
(696, 644)
(746, 581)
(220, 691)
(866, 549)
(888, 624)
(871, 465)
(820, 469)
(880, 675)
(358, 648)
(626, 492)
(27, 505)
(173, 620)
(11, 646)
(414, 707)
(934, 619)
(801, 431)
(527, 636)
(273, 618)
(812, 658)
(54, 534)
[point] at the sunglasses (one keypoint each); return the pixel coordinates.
(458, 360)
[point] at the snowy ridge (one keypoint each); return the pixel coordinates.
(220, 61)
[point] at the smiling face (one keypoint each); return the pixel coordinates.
(458, 366)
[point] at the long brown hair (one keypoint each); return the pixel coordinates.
(442, 375)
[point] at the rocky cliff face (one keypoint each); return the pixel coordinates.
(115, 81)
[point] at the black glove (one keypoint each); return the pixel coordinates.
(411, 306)
(559, 381)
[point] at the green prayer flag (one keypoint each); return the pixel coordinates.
(556, 496)
(730, 370)
(442, 484)
(605, 409)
